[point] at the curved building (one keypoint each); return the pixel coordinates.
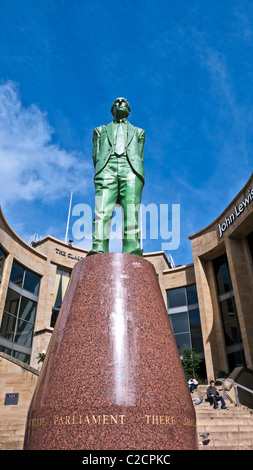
(222, 257)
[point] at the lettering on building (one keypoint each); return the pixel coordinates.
(238, 210)
(67, 255)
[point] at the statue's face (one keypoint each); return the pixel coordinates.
(120, 109)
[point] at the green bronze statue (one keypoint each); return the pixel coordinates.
(119, 179)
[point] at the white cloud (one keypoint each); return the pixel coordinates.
(32, 166)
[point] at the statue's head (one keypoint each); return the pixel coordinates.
(120, 108)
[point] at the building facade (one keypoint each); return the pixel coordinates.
(209, 302)
(222, 258)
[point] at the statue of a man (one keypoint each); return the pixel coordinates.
(119, 178)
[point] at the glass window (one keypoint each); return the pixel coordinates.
(228, 312)
(176, 297)
(54, 316)
(185, 324)
(183, 340)
(179, 322)
(31, 282)
(17, 274)
(12, 302)
(250, 243)
(61, 284)
(5, 350)
(18, 320)
(192, 296)
(24, 333)
(18, 355)
(27, 309)
(21, 356)
(194, 319)
(236, 359)
(2, 260)
(222, 275)
(223, 284)
(8, 326)
(24, 278)
(197, 341)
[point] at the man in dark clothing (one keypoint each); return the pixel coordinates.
(213, 396)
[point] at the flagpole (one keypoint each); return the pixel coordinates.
(67, 228)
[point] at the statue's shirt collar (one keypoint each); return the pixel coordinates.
(124, 121)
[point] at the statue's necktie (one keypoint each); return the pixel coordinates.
(120, 140)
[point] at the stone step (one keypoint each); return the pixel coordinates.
(220, 412)
(14, 433)
(223, 414)
(227, 447)
(11, 438)
(225, 443)
(207, 404)
(223, 428)
(227, 435)
(231, 406)
(224, 417)
(230, 429)
(4, 437)
(13, 445)
(205, 421)
(10, 427)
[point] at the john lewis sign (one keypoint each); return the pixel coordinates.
(238, 210)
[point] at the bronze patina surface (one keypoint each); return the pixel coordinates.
(119, 178)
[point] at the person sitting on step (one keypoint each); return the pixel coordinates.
(213, 396)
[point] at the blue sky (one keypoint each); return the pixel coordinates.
(186, 69)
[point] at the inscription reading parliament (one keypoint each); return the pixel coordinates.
(104, 419)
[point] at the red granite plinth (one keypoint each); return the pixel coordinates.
(112, 377)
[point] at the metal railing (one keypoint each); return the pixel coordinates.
(236, 386)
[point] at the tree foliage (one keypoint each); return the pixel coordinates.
(190, 362)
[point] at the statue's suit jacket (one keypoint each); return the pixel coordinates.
(103, 147)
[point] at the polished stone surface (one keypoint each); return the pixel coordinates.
(112, 377)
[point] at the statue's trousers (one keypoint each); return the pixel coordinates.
(117, 184)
